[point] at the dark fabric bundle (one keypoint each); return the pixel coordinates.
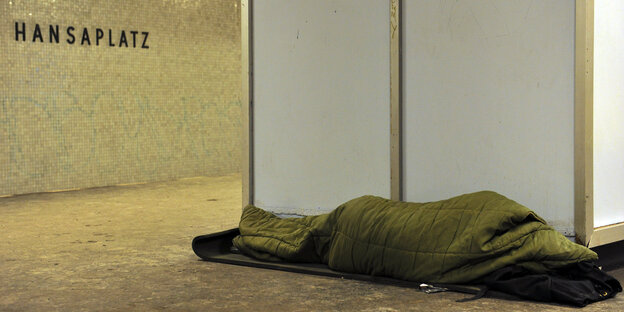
(578, 284)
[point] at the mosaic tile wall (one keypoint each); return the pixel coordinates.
(97, 93)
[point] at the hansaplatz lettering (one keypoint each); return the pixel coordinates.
(81, 36)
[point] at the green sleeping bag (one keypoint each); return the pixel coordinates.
(458, 240)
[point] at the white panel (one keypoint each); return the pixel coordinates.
(321, 103)
(608, 112)
(488, 102)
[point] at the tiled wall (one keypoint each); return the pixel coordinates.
(81, 113)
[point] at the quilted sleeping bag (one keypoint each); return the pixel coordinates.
(458, 240)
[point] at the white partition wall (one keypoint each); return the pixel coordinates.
(422, 100)
(488, 102)
(321, 78)
(608, 112)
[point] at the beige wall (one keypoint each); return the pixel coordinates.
(75, 116)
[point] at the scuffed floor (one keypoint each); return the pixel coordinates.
(128, 248)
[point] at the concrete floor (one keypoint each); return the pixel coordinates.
(129, 249)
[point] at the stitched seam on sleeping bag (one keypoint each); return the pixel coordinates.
(451, 243)
(437, 252)
(308, 227)
(281, 240)
(476, 219)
